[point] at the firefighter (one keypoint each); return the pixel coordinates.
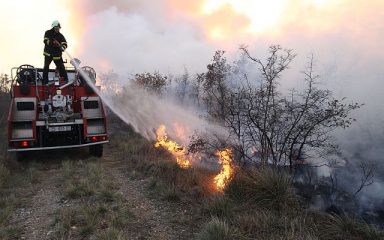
(55, 44)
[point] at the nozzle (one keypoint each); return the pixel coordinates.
(75, 62)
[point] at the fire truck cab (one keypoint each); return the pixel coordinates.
(55, 115)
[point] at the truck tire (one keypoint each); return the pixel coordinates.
(96, 150)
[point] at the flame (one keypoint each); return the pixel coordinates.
(177, 150)
(227, 171)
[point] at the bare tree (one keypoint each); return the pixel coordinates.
(266, 116)
(366, 178)
(278, 129)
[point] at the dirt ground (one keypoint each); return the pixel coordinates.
(153, 217)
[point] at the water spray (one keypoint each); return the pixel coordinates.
(76, 64)
(145, 112)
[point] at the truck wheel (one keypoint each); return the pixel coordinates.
(96, 150)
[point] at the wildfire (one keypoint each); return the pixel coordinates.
(226, 173)
(177, 150)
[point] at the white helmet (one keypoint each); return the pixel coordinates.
(56, 24)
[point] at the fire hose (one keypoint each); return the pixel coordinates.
(76, 64)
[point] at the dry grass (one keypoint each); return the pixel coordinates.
(73, 222)
(266, 224)
(100, 205)
(86, 180)
(264, 187)
(9, 202)
(15, 185)
(342, 227)
(220, 206)
(79, 221)
(112, 234)
(5, 176)
(218, 229)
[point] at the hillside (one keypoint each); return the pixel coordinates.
(137, 191)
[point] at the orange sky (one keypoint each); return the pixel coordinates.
(220, 23)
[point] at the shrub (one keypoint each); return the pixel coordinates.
(65, 218)
(343, 227)
(218, 229)
(112, 234)
(78, 189)
(266, 224)
(220, 206)
(265, 187)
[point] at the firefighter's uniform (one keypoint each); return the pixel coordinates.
(54, 52)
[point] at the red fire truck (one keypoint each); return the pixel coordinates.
(55, 115)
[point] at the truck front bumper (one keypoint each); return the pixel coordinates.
(55, 147)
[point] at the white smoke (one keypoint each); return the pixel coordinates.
(132, 42)
(145, 112)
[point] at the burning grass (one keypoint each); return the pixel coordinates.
(184, 161)
(227, 171)
(174, 148)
